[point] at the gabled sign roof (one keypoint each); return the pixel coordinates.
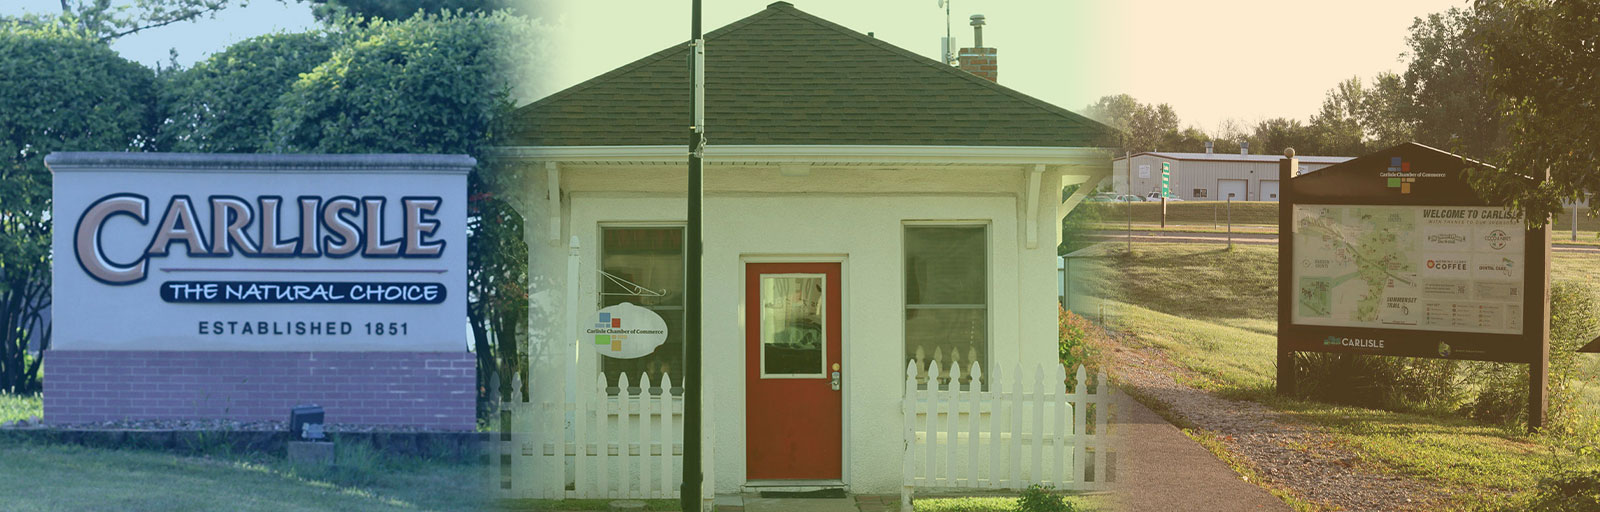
(1407, 174)
(785, 77)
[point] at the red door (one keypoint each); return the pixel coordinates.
(793, 397)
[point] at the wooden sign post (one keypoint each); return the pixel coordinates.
(1394, 254)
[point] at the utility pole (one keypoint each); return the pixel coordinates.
(689, 493)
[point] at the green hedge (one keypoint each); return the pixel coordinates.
(1490, 392)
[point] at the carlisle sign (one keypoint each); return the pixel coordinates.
(324, 228)
(259, 282)
(164, 257)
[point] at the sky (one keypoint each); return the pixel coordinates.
(197, 39)
(1241, 60)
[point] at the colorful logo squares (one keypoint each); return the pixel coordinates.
(1396, 165)
(615, 340)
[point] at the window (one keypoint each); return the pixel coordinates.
(947, 299)
(1199, 193)
(651, 257)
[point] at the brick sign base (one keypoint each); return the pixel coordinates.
(432, 390)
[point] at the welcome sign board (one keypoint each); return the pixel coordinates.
(258, 252)
(1409, 267)
(1395, 254)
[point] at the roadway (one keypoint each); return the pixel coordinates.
(1183, 237)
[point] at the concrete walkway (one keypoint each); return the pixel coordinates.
(1159, 468)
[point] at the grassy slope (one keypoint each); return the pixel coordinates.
(1213, 312)
(39, 477)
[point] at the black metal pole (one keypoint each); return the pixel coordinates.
(689, 493)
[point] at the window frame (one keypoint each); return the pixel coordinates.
(988, 288)
(599, 289)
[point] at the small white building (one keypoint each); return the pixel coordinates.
(1208, 176)
(865, 206)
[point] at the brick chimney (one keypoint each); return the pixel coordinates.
(979, 60)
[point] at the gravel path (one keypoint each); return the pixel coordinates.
(1290, 456)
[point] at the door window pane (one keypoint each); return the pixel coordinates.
(793, 326)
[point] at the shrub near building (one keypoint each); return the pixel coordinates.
(1495, 393)
(62, 90)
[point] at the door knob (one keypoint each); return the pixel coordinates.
(835, 383)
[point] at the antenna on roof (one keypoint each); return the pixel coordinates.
(947, 46)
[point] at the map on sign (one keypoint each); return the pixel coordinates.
(1435, 268)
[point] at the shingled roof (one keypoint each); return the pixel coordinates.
(784, 77)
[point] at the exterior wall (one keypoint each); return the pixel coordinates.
(863, 230)
(431, 390)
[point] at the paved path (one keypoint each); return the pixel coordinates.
(1160, 469)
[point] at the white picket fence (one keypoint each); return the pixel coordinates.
(629, 445)
(599, 446)
(1008, 436)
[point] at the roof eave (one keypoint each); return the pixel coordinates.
(814, 154)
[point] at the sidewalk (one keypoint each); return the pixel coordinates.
(1159, 468)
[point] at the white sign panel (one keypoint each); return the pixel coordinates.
(259, 252)
(1144, 171)
(626, 331)
(1437, 268)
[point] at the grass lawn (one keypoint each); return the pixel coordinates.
(1214, 312)
(537, 505)
(1002, 504)
(50, 477)
(18, 407)
(1187, 212)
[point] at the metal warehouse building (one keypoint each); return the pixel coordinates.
(1209, 176)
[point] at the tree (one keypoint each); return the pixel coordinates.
(1271, 136)
(329, 11)
(1383, 112)
(106, 22)
(1337, 128)
(1542, 69)
(224, 104)
(64, 89)
(1141, 126)
(436, 83)
(1450, 105)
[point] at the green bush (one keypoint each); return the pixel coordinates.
(1037, 498)
(429, 84)
(1074, 335)
(1566, 491)
(61, 89)
(1502, 395)
(224, 104)
(1380, 382)
(1490, 392)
